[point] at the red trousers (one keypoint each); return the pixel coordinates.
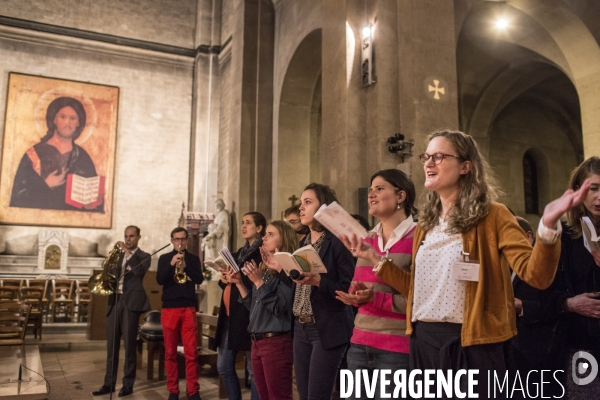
(272, 364)
(176, 321)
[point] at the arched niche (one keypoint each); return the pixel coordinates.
(299, 130)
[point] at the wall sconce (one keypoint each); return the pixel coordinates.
(367, 76)
(397, 145)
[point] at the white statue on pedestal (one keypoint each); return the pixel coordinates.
(218, 232)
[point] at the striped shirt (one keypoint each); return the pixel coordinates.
(381, 324)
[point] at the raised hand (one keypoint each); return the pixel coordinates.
(253, 273)
(269, 260)
(233, 277)
(360, 249)
(56, 178)
(571, 198)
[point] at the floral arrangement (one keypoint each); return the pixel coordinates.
(207, 274)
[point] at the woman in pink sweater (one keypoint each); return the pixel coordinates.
(378, 340)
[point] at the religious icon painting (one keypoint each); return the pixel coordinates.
(58, 157)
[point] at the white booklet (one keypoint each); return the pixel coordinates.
(590, 238)
(216, 264)
(339, 222)
(228, 258)
(305, 259)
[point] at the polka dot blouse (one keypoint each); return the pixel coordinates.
(438, 297)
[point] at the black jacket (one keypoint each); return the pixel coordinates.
(239, 315)
(177, 295)
(576, 274)
(334, 319)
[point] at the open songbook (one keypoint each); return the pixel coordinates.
(339, 222)
(305, 259)
(228, 258)
(88, 192)
(590, 238)
(216, 264)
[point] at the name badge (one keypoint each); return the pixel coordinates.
(465, 271)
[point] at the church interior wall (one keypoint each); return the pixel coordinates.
(519, 128)
(295, 22)
(170, 22)
(153, 131)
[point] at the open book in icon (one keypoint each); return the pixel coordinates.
(305, 259)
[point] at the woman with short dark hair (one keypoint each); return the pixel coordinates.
(379, 340)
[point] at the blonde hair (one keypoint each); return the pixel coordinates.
(591, 166)
(478, 189)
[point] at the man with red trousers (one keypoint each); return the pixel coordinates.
(178, 316)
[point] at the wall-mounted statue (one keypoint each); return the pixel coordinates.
(218, 233)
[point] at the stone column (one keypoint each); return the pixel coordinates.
(427, 71)
(343, 135)
(250, 135)
(415, 91)
(205, 108)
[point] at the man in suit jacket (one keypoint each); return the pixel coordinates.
(123, 312)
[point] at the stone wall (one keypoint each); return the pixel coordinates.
(170, 22)
(154, 114)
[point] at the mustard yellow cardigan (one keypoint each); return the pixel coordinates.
(497, 244)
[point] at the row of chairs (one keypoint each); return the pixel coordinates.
(14, 317)
(67, 297)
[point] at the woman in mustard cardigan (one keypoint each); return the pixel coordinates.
(460, 303)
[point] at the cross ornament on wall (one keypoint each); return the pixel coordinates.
(293, 199)
(437, 89)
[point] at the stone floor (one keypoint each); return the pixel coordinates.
(75, 366)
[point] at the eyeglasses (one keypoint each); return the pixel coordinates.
(293, 221)
(179, 239)
(437, 157)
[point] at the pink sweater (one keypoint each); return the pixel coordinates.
(382, 323)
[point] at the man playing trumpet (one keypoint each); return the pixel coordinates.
(124, 309)
(178, 273)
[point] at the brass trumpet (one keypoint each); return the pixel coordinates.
(180, 276)
(105, 283)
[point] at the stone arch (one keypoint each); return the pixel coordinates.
(297, 147)
(546, 32)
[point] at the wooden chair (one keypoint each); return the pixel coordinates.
(82, 300)
(13, 323)
(62, 298)
(33, 297)
(18, 283)
(9, 294)
(42, 284)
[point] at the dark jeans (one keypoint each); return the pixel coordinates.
(369, 358)
(316, 368)
(272, 363)
(226, 368)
